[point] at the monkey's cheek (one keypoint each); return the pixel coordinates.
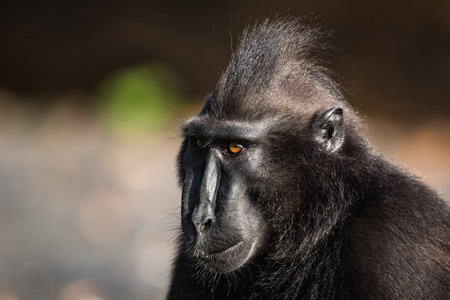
(230, 259)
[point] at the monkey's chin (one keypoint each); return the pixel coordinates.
(228, 260)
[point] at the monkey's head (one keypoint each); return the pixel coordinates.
(273, 124)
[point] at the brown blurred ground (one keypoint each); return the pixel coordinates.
(83, 212)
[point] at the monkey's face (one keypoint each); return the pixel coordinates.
(231, 173)
(221, 219)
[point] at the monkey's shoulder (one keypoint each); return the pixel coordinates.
(399, 244)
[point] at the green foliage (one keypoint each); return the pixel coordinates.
(139, 98)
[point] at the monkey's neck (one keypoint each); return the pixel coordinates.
(311, 270)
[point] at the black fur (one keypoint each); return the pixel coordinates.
(338, 222)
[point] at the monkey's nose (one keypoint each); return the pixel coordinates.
(203, 217)
(203, 226)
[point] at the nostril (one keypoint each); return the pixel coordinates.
(208, 223)
(202, 227)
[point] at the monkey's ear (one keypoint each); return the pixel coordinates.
(328, 129)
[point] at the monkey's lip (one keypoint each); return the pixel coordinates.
(229, 259)
(219, 253)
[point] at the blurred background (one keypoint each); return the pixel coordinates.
(92, 94)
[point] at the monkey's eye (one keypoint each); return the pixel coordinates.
(235, 148)
(202, 144)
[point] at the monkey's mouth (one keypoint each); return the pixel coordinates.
(219, 252)
(226, 260)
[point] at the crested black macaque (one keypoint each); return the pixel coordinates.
(283, 197)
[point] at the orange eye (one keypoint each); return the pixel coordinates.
(235, 147)
(202, 144)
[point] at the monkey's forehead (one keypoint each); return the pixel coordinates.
(210, 128)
